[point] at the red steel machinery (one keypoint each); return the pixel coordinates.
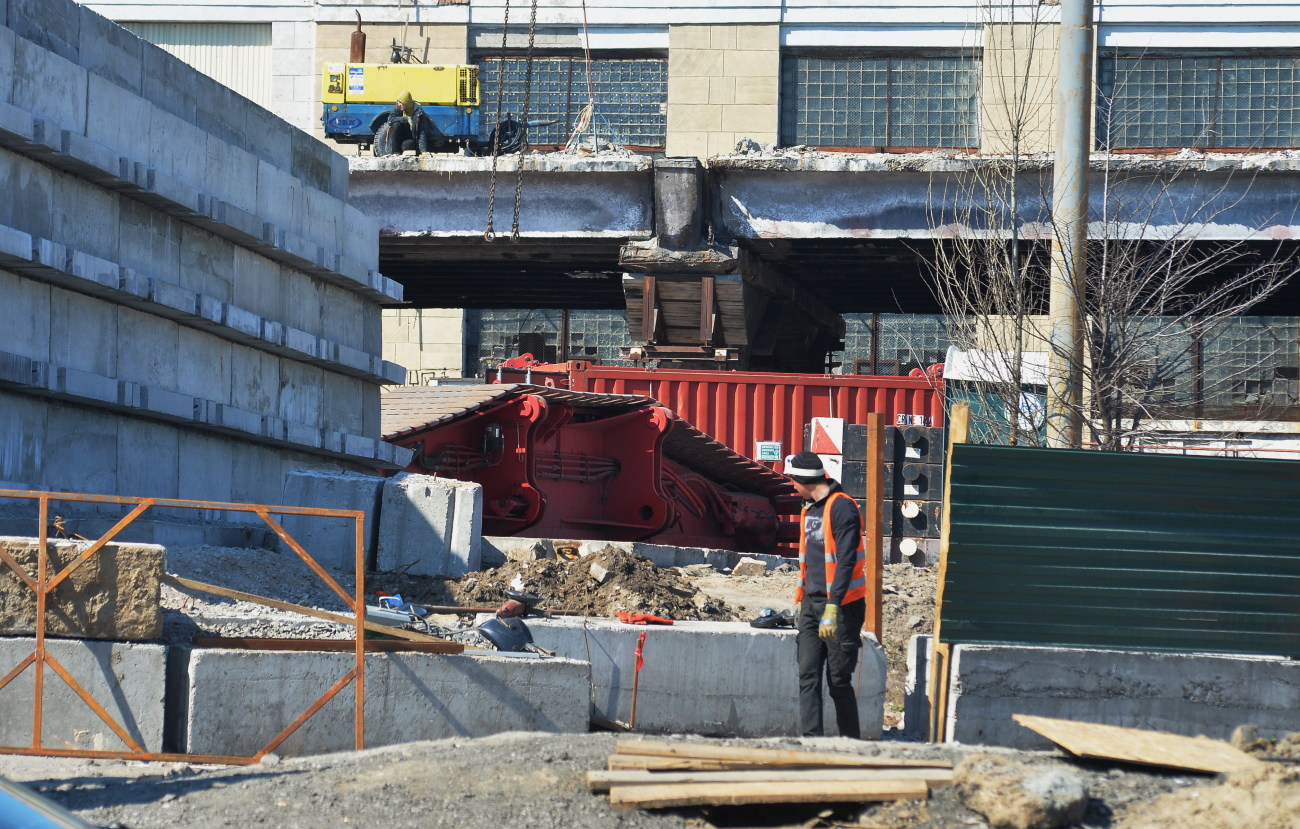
(560, 463)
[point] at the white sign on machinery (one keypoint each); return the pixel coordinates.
(828, 444)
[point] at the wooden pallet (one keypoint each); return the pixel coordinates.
(658, 774)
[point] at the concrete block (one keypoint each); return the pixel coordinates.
(279, 195)
(241, 322)
(83, 334)
(52, 24)
(126, 678)
(85, 385)
(408, 697)
(108, 50)
(15, 247)
(91, 159)
(718, 678)
(171, 194)
(100, 276)
(148, 356)
(148, 459)
(22, 430)
(916, 695)
(205, 473)
(6, 60)
(303, 434)
(203, 365)
(169, 83)
(423, 522)
(301, 341)
(118, 117)
(15, 125)
(331, 541)
(1189, 694)
(111, 595)
(300, 394)
(48, 85)
(167, 403)
(313, 163)
(238, 225)
(178, 302)
(29, 189)
(231, 173)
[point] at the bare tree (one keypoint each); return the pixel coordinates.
(1162, 292)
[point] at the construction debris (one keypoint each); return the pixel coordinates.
(640, 776)
(1018, 795)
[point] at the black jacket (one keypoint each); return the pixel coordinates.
(422, 132)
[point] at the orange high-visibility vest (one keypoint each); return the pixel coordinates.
(858, 583)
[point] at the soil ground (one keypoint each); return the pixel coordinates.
(537, 780)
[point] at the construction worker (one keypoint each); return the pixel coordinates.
(831, 596)
(404, 127)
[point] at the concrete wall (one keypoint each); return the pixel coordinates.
(191, 306)
(429, 342)
(1018, 88)
(125, 678)
(1187, 694)
(723, 678)
(234, 702)
(429, 526)
(723, 82)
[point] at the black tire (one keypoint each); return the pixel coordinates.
(383, 140)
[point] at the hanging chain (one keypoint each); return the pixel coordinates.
(523, 138)
(489, 234)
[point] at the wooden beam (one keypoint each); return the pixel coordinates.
(875, 529)
(707, 313)
(239, 595)
(602, 781)
(941, 658)
(737, 794)
(765, 756)
(649, 310)
(1134, 745)
(328, 645)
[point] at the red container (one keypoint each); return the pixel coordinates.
(740, 408)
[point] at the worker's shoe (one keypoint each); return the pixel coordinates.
(768, 618)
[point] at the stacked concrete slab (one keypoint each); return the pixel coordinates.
(1188, 694)
(234, 702)
(191, 307)
(722, 678)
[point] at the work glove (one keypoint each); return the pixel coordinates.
(830, 624)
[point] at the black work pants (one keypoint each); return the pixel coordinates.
(838, 658)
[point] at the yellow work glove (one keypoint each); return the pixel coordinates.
(830, 624)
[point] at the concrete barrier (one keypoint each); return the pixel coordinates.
(126, 678)
(718, 678)
(332, 541)
(1187, 694)
(235, 702)
(433, 524)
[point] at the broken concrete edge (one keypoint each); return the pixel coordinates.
(811, 160)
(533, 163)
(499, 549)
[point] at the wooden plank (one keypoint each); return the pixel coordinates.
(619, 762)
(1133, 745)
(738, 794)
(329, 645)
(875, 528)
(239, 595)
(765, 756)
(602, 781)
(940, 659)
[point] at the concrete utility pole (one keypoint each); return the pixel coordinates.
(1070, 223)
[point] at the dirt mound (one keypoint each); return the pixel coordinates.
(1266, 798)
(598, 584)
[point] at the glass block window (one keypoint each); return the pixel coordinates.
(493, 335)
(885, 101)
(1243, 102)
(902, 342)
(631, 97)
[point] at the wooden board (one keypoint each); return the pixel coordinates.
(765, 756)
(628, 762)
(330, 645)
(1132, 745)
(602, 781)
(738, 794)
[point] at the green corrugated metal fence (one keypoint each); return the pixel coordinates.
(1121, 550)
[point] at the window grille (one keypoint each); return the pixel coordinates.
(631, 95)
(885, 101)
(1244, 102)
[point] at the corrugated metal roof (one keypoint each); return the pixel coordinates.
(1122, 550)
(237, 55)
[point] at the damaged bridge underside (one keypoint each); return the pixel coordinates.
(753, 259)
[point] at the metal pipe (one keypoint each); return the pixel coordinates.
(1070, 226)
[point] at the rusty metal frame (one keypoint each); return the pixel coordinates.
(42, 585)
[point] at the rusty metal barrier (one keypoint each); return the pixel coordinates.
(42, 584)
